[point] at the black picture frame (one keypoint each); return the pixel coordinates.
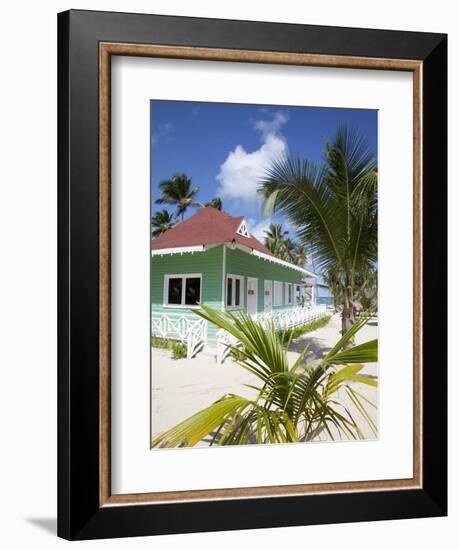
(80, 515)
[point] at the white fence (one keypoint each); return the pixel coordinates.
(197, 337)
(293, 317)
(193, 333)
(225, 341)
(282, 320)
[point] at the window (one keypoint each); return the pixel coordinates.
(288, 293)
(174, 293)
(192, 291)
(234, 291)
(243, 229)
(182, 290)
(237, 292)
(277, 293)
(229, 292)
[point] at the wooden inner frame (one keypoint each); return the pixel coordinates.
(106, 51)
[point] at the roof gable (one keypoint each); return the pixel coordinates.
(208, 226)
(243, 229)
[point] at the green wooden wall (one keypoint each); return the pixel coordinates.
(209, 264)
(241, 263)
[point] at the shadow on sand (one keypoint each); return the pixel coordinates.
(316, 347)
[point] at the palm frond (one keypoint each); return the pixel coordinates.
(305, 199)
(291, 403)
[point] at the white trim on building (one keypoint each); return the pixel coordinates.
(178, 250)
(275, 260)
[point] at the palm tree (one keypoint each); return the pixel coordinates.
(275, 237)
(292, 403)
(367, 288)
(300, 255)
(331, 280)
(215, 203)
(289, 250)
(161, 222)
(178, 192)
(333, 207)
(282, 247)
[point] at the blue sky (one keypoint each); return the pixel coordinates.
(225, 147)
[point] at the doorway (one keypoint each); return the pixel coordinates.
(252, 296)
(268, 296)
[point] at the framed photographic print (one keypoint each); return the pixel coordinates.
(252, 274)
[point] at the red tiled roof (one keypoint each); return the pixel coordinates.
(207, 226)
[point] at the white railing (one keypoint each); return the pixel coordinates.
(191, 332)
(282, 320)
(167, 326)
(294, 317)
(197, 337)
(225, 342)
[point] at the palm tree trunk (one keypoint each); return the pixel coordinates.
(348, 313)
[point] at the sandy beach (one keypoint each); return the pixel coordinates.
(182, 387)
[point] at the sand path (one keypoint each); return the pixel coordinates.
(182, 387)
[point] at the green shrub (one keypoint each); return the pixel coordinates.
(159, 342)
(296, 332)
(178, 349)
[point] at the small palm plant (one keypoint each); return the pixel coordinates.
(292, 403)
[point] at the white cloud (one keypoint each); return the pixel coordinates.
(258, 230)
(267, 127)
(163, 131)
(242, 171)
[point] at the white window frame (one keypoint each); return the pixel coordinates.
(243, 229)
(182, 276)
(241, 291)
(287, 301)
(278, 294)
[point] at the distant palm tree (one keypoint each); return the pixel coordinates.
(282, 247)
(161, 222)
(289, 250)
(215, 203)
(332, 282)
(333, 208)
(300, 255)
(178, 192)
(274, 239)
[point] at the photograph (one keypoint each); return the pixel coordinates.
(226, 230)
(264, 274)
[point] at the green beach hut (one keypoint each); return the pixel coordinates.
(212, 258)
